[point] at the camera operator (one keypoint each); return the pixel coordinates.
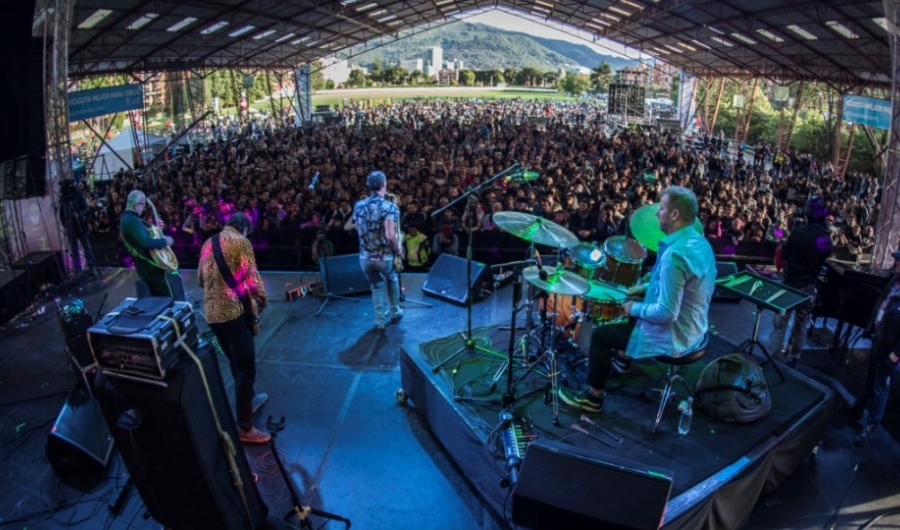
(804, 252)
(73, 210)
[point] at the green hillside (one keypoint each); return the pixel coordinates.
(482, 47)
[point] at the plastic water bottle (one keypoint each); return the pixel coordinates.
(687, 413)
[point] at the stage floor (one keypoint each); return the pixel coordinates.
(353, 450)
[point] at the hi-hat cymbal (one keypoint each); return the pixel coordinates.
(644, 226)
(558, 281)
(535, 229)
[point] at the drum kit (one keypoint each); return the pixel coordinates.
(586, 288)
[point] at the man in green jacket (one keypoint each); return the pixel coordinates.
(139, 241)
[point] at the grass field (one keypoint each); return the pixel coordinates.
(336, 98)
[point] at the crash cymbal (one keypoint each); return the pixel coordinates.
(535, 229)
(644, 226)
(557, 281)
(523, 176)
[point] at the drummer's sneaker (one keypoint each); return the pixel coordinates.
(586, 401)
(621, 364)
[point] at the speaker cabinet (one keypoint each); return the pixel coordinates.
(563, 486)
(725, 268)
(342, 275)
(168, 440)
(447, 279)
(43, 266)
(80, 444)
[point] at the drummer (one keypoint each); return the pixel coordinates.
(671, 316)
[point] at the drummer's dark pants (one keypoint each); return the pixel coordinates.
(606, 339)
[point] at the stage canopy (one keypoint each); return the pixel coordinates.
(840, 42)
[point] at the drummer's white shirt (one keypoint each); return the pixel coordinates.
(673, 318)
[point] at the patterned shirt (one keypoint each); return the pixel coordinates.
(369, 214)
(676, 316)
(220, 303)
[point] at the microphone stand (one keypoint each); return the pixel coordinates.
(469, 343)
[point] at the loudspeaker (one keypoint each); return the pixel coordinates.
(725, 268)
(343, 275)
(167, 436)
(80, 444)
(447, 279)
(15, 294)
(44, 266)
(626, 99)
(563, 486)
(36, 178)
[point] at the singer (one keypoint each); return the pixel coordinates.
(377, 222)
(672, 317)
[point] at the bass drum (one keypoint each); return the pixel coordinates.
(566, 308)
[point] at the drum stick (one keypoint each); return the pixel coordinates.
(582, 430)
(589, 421)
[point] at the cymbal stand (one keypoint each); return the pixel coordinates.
(469, 343)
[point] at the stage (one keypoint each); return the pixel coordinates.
(352, 449)
(719, 470)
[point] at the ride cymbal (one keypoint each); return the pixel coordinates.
(535, 229)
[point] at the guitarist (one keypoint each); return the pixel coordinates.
(233, 297)
(139, 242)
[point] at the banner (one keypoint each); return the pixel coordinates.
(687, 101)
(867, 111)
(86, 104)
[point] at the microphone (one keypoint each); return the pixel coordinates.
(542, 274)
(315, 181)
(511, 451)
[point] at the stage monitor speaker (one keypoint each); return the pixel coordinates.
(43, 267)
(725, 268)
(447, 279)
(342, 275)
(168, 440)
(563, 486)
(80, 444)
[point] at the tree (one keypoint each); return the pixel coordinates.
(317, 78)
(509, 74)
(357, 78)
(575, 84)
(528, 76)
(601, 77)
(395, 75)
(416, 77)
(467, 78)
(377, 73)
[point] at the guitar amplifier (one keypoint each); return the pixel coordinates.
(142, 337)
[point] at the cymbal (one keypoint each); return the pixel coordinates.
(559, 281)
(535, 229)
(645, 226)
(523, 176)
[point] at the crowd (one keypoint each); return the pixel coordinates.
(298, 184)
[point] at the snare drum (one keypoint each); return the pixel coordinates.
(604, 302)
(585, 260)
(567, 309)
(623, 258)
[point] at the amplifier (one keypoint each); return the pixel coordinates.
(142, 337)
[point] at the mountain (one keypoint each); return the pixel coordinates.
(483, 47)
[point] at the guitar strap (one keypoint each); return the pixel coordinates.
(228, 276)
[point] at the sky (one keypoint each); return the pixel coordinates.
(550, 30)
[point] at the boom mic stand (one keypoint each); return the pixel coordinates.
(297, 508)
(323, 254)
(469, 343)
